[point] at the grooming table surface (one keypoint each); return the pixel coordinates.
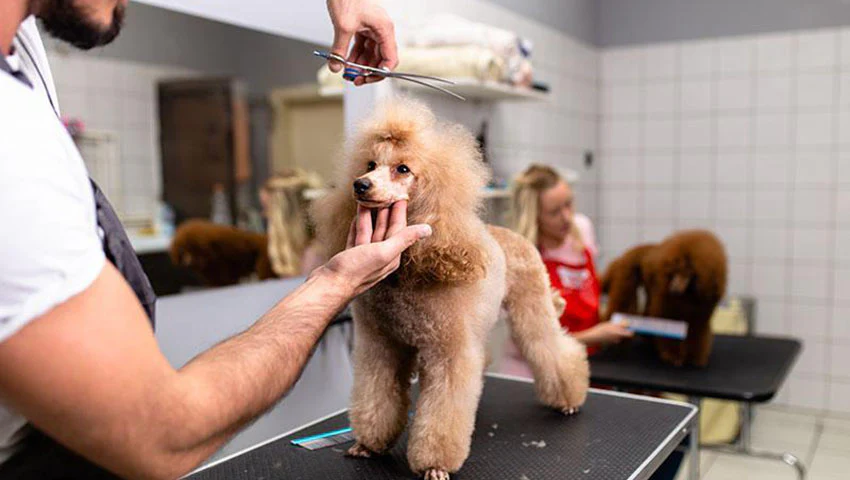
(615, 436)
(743, 368)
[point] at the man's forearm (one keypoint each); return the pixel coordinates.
(240, 378)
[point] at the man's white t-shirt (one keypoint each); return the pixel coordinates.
(49, 245)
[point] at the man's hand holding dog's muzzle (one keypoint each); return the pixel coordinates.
(373, 252)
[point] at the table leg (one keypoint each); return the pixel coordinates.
(693, 466)
(744, 441)
(744, 445)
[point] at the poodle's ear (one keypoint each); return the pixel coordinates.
(447, 256)
(332, 215)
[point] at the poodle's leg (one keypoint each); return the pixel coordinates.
(558, 361)
(699, 343)
(451, 383)
(671, 351)
(380, 397)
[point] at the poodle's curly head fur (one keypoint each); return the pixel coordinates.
(402, 152)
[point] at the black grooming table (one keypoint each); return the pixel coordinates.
(743, 368)
(615, 436)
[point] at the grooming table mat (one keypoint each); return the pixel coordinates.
(742, 368)
(615, 436)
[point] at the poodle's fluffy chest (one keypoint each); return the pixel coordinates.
(423, 316)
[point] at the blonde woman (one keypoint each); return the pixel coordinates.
(292, 250)
(543, 211)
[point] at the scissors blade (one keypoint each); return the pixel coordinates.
(410, 77)
(416, 75)
(426, 84)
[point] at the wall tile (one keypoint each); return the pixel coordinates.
(734, 93)
(696, 58)
(812, 244)
(659, 169)
(658, 204)
(740, 278)
(620, 135)
(771, 243)
(696, 133)
(817, 49)
(621, 204)
(812, 206)
(734, 56)
(620, 169)
(620, 100)
(839, 397)
(840, 323)
(732, 205)
(844, 40)
(621, 65)
(774, 170)
(696, 169)
(696, 96)
(736, 241)
(773, 131)
(840, 359)
(774, 52)
(695, 204)
(844, 87)
(769, 279)
(841, 284)
(810, 282)
(815, 89)
(813, 358)
(770, 206)
(771, 317)
(807, 392)
(660, 99)
(814, 129)
(774, 91)
(734, 131)
(659, 135)
(814, 169)
(661, 61)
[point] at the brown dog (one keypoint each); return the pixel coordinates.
(220, 254)
(684, 278)
(433, 315)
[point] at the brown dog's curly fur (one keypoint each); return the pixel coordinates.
(684, 278)
(433, 316)
(221, 255)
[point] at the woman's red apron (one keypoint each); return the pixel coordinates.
(579, 286)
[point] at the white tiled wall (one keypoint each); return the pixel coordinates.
(118, 96)
(749, 137)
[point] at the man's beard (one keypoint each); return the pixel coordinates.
(68, 22)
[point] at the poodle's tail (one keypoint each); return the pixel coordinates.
(559, 362)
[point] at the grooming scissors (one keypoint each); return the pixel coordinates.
(354, 70)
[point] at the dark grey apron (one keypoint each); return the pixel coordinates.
(40, 457)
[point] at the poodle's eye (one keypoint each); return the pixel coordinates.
(371, 166)
(402, 169)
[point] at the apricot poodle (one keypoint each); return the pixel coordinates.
(434, 314)
(684, 277)
(219, 254)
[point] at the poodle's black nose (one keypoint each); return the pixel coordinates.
(361, 185)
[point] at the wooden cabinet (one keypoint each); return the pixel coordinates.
(204, 137)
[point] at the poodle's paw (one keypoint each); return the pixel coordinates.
(436, 474)
(566, 390)
(570, 410)
(359, 451)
